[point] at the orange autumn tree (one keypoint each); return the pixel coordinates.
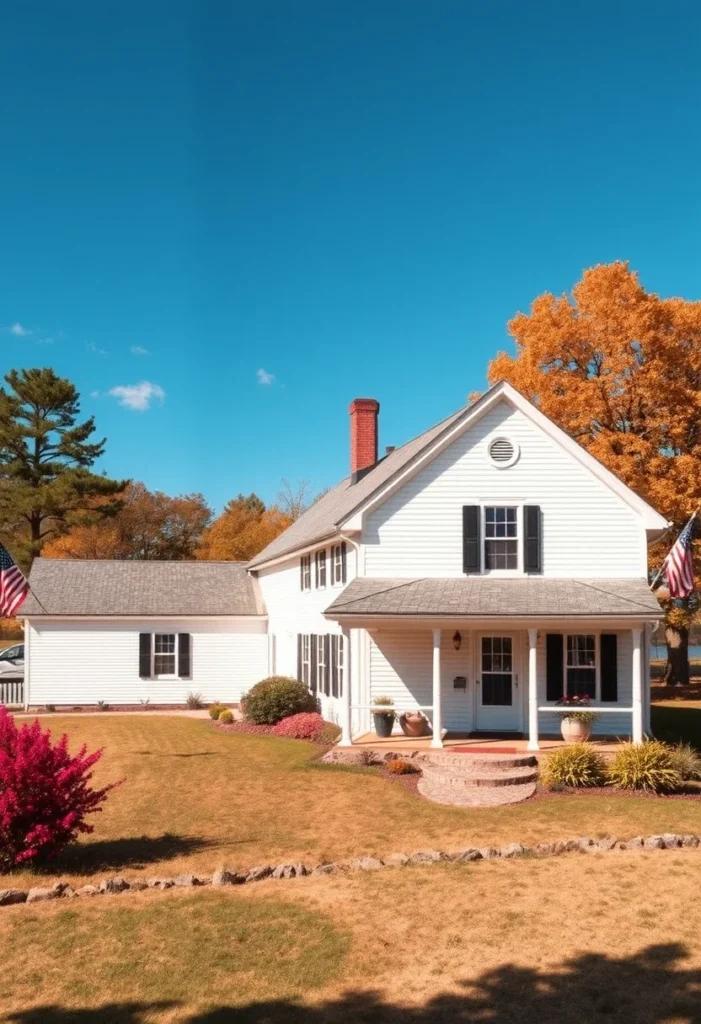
(619, 369)
(243, 529)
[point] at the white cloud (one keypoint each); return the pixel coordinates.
(139, 350)
(19, 330)
(92, 347)
(94, 394)
(138, 396)
(265, 378)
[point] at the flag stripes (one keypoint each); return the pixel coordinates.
(13, 586)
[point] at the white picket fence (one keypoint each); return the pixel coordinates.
(12, 692)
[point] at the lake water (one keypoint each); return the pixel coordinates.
(658, 651)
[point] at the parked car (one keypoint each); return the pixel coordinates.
(12, 662)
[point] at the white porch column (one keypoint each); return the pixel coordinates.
(346, 739)
(533, 690)
(637, 685)
(437, 740)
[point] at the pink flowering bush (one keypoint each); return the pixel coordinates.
(45, 793)
(305, 726)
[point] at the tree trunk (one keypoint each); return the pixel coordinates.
(677, 668)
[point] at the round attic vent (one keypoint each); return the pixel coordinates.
(503, 452)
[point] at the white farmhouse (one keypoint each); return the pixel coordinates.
(480, 572)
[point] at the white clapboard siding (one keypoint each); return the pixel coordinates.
(82, 662)
(291, 611)
(587, 529)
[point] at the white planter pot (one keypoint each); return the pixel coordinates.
(573, 731)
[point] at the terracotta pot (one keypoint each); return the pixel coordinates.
(414, 725)
(574, 731)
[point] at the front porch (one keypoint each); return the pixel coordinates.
(502, 677)
(469, 744)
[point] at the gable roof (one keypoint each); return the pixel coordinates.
(483, 597)
(341, 503)
(63, 586)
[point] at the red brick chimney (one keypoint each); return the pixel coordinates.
(363, 436)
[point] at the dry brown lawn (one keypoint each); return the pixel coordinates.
(610, 937)
(194, 799)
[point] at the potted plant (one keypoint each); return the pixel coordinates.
(414, 723)
(576, 724)
(383, 716)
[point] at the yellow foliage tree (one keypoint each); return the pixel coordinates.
(619, 369)
(243, 529)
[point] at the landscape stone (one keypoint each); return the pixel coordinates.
(489, 852)
(513, 850)
(671, 840)
(159, 883)
(290, 871)
(138, 885)
(585, 843)
(39, 893)
(635, 844)
(653, 843)
(427, 857)
(365, 864)
(396, 860)
(327, 869)
(467, 855)
(609, 843)
(186, 880)
(225, 877)
(88, 890)
(545, 849)
(257, 874)
(10, 896)
(690, 842)
(114, 885)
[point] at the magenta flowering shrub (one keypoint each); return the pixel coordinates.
(45, 793)
(304, 726)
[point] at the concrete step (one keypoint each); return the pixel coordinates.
(477, 776)
(476, 796)
(490, 762)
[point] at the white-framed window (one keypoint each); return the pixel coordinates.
(306, 659)
(320, 569)
(165, 654)
(501, 537)
(322, 669)
(338, 681)
(582, 665)
(305, 572)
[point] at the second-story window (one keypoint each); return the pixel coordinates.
(320, 568)
(305, 572)
(338, 563)
(500, 538)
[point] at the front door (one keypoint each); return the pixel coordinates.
(497, 692)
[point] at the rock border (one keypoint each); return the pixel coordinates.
(226, 877)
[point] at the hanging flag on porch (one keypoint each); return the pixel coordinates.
(13, 586)
(678, 566)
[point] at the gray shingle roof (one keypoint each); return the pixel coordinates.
(84, 587)
(320, 521)
(484, 597)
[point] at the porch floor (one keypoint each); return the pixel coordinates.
(472, 744)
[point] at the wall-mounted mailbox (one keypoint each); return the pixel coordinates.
(460, 683)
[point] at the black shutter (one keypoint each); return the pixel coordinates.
(312, 662)
(327, 662)
(184, 656)
(609, 667)
(145, 655)
(334, 666)
(532, 549)
(343, 562)
(299, 657)
(471, 562)
(554, 667)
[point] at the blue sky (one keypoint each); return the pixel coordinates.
(351, 197)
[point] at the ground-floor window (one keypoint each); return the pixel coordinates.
(320, 662)
(580, 665)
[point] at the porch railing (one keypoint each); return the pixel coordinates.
(12, 692)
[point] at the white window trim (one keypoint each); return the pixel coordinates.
(317, 562)
(321, 666)
(340, 640)
(597, 661)
(176, 652)
(307, 639)
(306, 563)
(502, 503)
(334, 548)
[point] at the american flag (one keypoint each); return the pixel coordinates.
(679, 563)
(13, 586)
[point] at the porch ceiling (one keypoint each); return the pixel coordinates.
(486, 597)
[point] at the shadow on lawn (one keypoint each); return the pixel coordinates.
(133, 852)
(650, 987)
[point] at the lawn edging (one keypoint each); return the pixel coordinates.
(224, 877)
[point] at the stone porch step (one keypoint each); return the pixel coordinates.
(476, 796)
(470, 763)
(477, 776)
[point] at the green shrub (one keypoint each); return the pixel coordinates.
(687, 762)
(646, 765)
(194, 701)
(226, 717)
(216, 709)
(575, 765)
(275, 698)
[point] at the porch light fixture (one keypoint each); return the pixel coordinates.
(457, 640)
